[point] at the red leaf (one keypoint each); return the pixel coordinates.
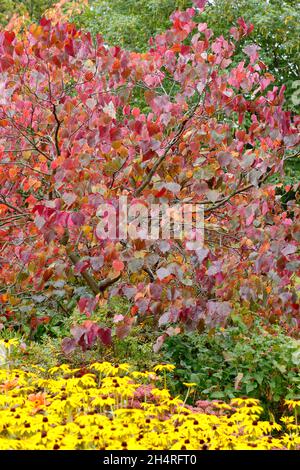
(69, 48)
(105, 335)
(161, 192)
(9, 37)
(6, 62)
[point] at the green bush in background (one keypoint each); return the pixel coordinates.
(236, 361)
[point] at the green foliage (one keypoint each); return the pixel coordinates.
(129, 23)
(236, 362)
(45, 349)
(7, 8)
(137, 348)
(35, 9)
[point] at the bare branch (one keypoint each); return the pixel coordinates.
(58, 124)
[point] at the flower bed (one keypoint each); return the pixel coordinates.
(114, 407)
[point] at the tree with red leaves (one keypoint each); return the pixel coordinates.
(72, 138)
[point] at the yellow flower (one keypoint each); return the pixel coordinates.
(88, 380)
(99, 401)
(162, 394)
(7, 343)
(223, 406)
(244, 402)
(64, 368)
(105, 367)
(139, 375)
(190, 384)
(292, 403)
(287, 419)
(161, 367)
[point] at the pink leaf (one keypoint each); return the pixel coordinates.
(213, 195)
(69, 198)
(252, 51)
(158, 343)
(97, 262)
(118, 318)
(199, 3)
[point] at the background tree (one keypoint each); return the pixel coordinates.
(131, 23)
(276, 29)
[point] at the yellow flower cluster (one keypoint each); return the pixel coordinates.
(113, 407)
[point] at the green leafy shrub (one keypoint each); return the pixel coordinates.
(235, 362)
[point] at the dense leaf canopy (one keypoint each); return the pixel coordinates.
(71, 138)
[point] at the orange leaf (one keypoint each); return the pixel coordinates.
(36, 30)
(13, 172)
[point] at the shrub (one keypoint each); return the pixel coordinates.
(237, 361)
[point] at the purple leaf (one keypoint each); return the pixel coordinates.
(224, 158)
(289, 249)
(97, 262)
(68, 345)
(162, 273)
(77, 218)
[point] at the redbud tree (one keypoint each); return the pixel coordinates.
(82, 124)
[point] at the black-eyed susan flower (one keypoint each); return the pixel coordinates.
(292, 404)
(164, 367)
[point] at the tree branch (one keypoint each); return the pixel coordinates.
(95, 287)
(58, 124)
(105, 283)
(234, 193)
(15, 208)
(291, 157)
